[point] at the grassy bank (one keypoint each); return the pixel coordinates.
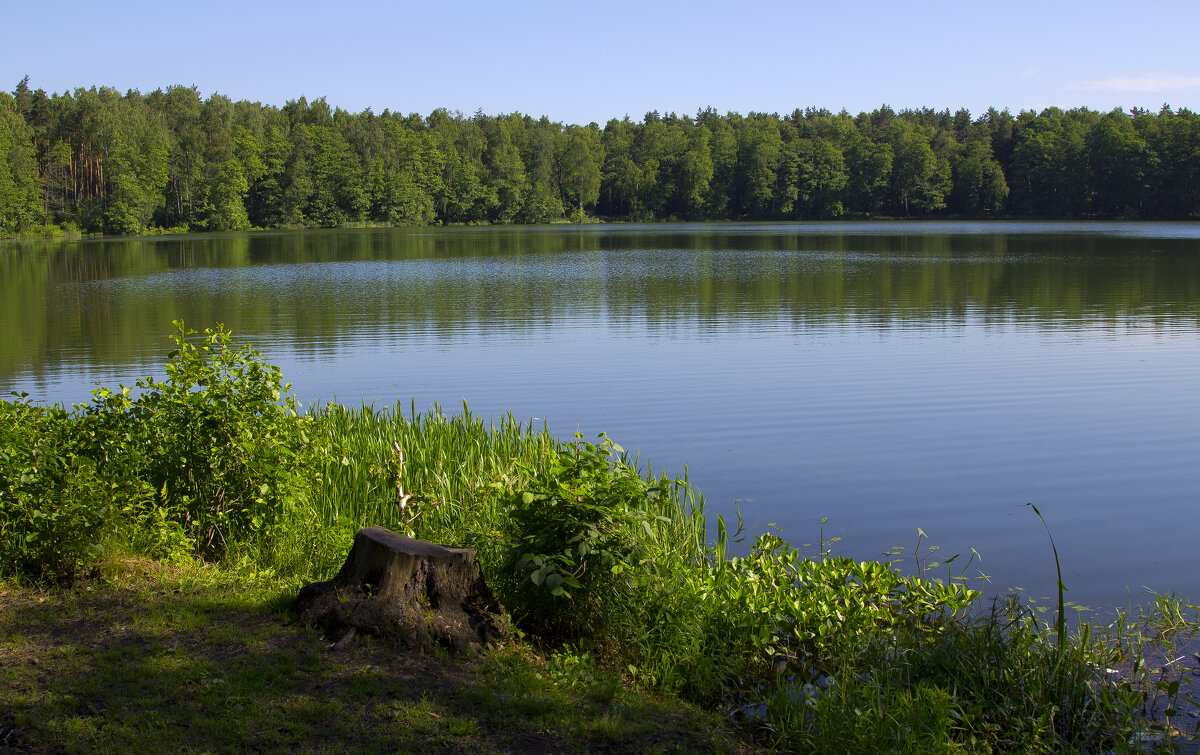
(151, 658)
(618, 581)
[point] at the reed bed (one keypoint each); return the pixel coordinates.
(456, 468)
(450, 459)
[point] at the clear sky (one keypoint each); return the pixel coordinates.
(578, 62)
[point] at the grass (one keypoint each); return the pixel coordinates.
(450, 459)
(201, 659)
(456, 461)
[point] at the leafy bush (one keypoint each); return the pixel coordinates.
(52, 502)
(576, 536)
(217, 444)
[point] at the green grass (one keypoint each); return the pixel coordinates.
(202, 659)
(449, 459)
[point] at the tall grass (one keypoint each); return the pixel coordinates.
(447, 464)
(450, 459)
(452, 465)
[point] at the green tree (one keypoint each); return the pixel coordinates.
(920, 179)
(760, 151)
(543, 204)
(869, 174)
(338, 193)
(465, 196)
(543, 201)
(219, 178)
(1120, 165)
(405, 176)
(132, 142)
(578, 159)
(182, 109)
(1175, 139)
(20, 195)
(249, 154)
(621, 176)
(264, 202)
(825, 178)
(505, 169)
(296, 180)
(694, 174)
(723, 151)
(227, 207)
(1049, 165)
(979, 185)
(56, 180)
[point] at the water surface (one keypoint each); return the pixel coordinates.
(888, 376)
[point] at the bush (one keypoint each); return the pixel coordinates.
(52, 502)
(212, 452)
(576, 537)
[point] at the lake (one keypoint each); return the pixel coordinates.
(886, 376)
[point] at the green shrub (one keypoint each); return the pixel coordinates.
(52, 502)
(576, 536)
(217, 445)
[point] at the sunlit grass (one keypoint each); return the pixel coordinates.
(449, 459)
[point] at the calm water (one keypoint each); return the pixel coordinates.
(886, 376)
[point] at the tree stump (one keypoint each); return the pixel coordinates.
(421, 593)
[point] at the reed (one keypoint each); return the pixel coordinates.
(451, 466)
(447, 459)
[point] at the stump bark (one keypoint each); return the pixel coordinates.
(421, 593)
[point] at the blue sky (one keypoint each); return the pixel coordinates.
(582, 62)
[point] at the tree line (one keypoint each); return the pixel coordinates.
(103, 161)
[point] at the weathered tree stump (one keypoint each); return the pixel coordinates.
(421, 593)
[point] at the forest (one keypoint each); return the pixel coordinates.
(100, 161)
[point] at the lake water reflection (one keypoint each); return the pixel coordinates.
(888, 376)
